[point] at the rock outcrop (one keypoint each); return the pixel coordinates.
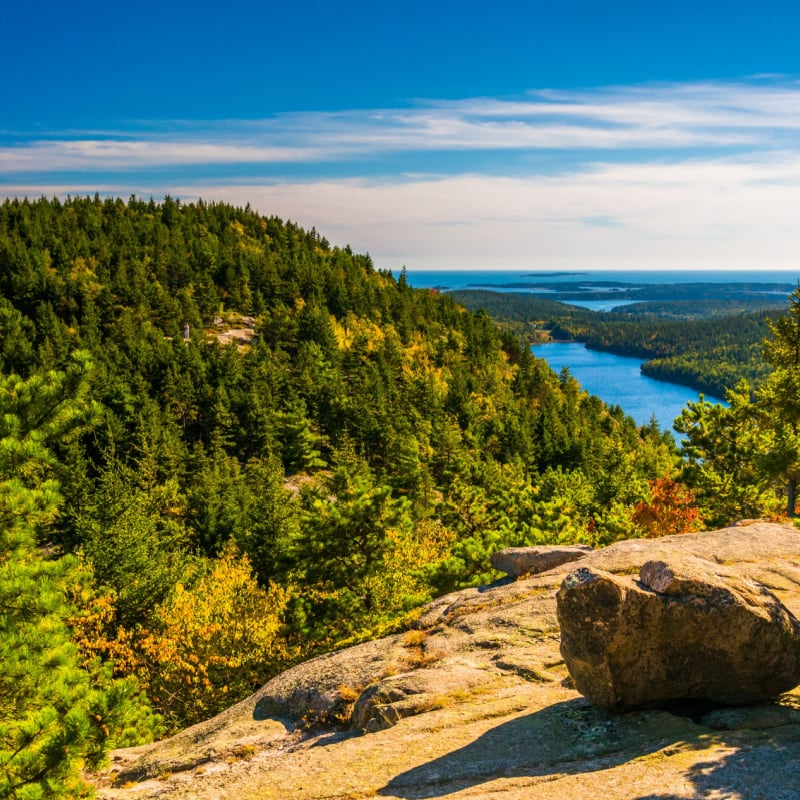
(688, 629)
(475, 701)
(519, 561)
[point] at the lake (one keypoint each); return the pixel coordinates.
(618, 380)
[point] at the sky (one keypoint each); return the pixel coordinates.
(432, 135)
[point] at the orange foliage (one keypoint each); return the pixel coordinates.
(671, 510)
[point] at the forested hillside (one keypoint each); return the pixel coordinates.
(738, 461)
(710, 355)
(235, 507)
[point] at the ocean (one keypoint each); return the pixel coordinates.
(517, 281)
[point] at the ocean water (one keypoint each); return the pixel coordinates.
(509, 281)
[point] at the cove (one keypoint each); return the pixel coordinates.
(618, 380)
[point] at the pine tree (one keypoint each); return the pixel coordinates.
(346, 542)
(56, 716)
(779, 399)
(721, 462)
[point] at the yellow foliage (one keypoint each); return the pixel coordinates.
(360, 329)
(83, 274)
(219, 640)
(401, 583)
(92, 631)
(484, 406)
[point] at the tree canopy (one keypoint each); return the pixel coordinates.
(59, 711)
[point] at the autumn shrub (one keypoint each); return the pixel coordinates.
(217, 640)
(670, 510)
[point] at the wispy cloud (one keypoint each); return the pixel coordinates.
(99, 155)
(701, 107)
(665, 116)
(671, 175)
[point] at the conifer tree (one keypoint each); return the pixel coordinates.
(56, 716)
(345, 542)
(779, 399)
(720, 454)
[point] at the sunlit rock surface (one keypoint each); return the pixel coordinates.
(683, 628)
(475, 701)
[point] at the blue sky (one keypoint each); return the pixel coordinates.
(439, 135)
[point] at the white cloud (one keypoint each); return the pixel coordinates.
(704, 213)
(668, 116)
(712, 214)
(670, 175)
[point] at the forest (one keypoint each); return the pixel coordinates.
(186, 516)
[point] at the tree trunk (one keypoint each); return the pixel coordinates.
(791, 497)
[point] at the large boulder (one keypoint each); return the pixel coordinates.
(687, 629)
(519, 561)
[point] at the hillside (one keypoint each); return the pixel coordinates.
(474, 701)
(228, 447)
(276, 433)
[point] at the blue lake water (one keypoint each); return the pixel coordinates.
(601, 305)
(618, 380)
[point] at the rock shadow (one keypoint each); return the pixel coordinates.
(571, 737)
(763, 767)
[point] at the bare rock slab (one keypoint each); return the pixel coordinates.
(518, 561)
(687, 629)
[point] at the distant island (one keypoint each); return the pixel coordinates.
(553, 274)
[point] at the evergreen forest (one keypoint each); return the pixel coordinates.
(227, 446)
